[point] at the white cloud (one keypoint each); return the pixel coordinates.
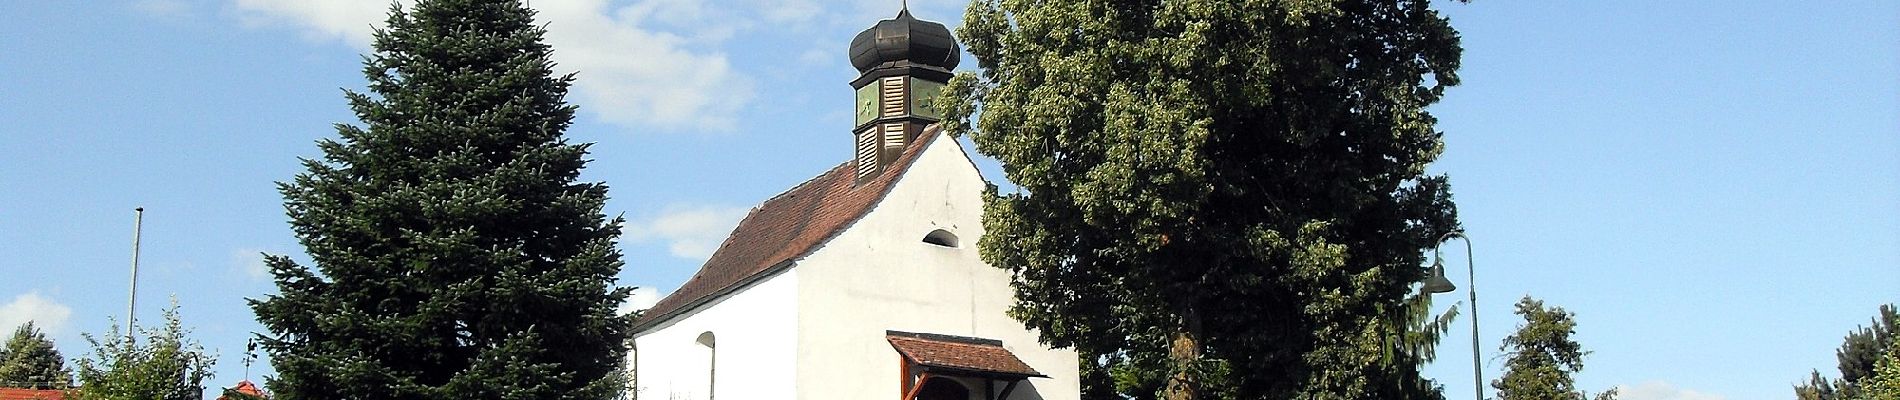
(643, 298)
(632, 76)
(650, 63)
(49, 316)
(788, 11)
(350, 20)
(250, 262)
(1659, 390)
(691, 232)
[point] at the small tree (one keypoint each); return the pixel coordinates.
(29, 360)
(1858, 357)
(166, 365)
(1541, 356)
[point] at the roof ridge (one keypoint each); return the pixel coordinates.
(944, 337)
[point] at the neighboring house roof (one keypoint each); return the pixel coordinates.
(31, 394)
(245, 387)
(785, 228)
(959, 353)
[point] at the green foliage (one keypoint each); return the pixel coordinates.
(1884, 383)
(1416, 346)
(455, 254)
(1541, 357)
(1817, 388)
(29, 360)
(165, 365)
(1863, 348)
(1858, 357)
(1213, 185)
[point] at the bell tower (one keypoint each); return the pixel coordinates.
(903, 63)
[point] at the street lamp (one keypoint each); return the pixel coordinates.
(1437, 283)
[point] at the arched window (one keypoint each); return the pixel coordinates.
(707, 342)
(941, 238)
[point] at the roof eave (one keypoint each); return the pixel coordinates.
(692, 306)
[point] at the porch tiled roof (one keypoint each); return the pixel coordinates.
(986, 356)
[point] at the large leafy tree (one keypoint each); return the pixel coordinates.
(1229, 192)
(1859, 355)
(1124, 374)
(29, 360)
(455, 254)
(164, 365)
(1540, 358)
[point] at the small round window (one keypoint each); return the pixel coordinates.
(941, 238)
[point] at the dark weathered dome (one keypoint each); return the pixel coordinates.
(905, 39)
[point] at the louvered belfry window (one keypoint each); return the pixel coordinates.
(894, 136)
(889, 118)
(867, 150)
(891, 100)
(880, 144)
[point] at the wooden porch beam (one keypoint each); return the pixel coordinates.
(921, 379)
(904, 379)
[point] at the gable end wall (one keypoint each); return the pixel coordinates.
(878, 275)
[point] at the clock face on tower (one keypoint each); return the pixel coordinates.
(923, 98)
(867, 103)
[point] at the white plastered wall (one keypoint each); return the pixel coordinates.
(753, 343)
(879, 275)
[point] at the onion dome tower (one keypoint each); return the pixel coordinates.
(902, 63)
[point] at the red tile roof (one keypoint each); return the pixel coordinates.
(31, 394)
(245, 387)
(958, 353)
(784, 228)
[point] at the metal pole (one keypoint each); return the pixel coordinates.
(132, 302)
(1471, 286)
(1471, 281)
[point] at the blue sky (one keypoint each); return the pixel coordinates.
(1712, 187)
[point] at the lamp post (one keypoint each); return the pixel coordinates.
(1437, 283)
(132, 298)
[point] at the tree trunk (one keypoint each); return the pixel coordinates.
(1185, 351)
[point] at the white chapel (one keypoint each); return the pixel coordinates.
(864, 281)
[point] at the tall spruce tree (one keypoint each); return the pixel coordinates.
(455, 254)
(1230, 191)
(29, 360)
